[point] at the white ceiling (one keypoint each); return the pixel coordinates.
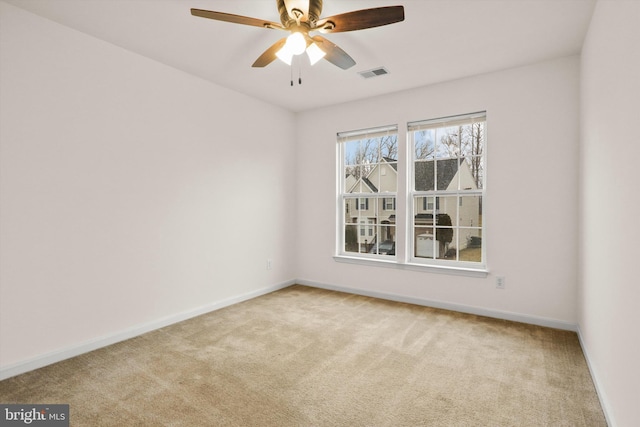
(439, 40)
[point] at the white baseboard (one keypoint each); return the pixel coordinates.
(94, 344)
(596, 383)
(516, 317)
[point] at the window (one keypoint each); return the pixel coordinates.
(444, 168)
(362, 204)
(368, 164)
(389, 203)
(447, 190)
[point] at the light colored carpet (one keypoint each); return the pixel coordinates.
(310, 357)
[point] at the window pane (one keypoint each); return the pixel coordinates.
(470, 209)
(472, 142)
(387, 210)
(351, 238)
(447, 210)
(362, 214)
(447, 142)
(447, 174)
(351, 153)
(445, 233)
(389, 148)
(388, 232)
(353, 161)
(469, 173)
(387, 220)
(350, 180)
(447, 242)
(424, 176)
(424, 207)
(425, 244)
(424, 144)
(371, 182)
(388, 177)
(424, 231)
(365, 234)
(385, 241)
(472, 251)
(360, 153)
(383, 176)
(473, 173)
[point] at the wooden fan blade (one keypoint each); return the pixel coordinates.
(334, 54)
(361, 19)
(269, 55)
(236, 19)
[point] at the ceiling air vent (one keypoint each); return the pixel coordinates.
(380, 71)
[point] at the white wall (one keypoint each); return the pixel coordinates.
(531, 207)
(610, 206)
(132, 193)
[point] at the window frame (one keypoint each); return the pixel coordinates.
(404, 258)
(437, 195)
(374, 201)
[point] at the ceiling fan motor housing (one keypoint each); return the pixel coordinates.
(313, 14)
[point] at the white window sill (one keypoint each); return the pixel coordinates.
(441, 269)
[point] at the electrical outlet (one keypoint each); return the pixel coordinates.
(269, 264)
(500, 282)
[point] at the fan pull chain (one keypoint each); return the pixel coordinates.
(293, 61)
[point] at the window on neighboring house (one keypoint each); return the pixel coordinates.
(362, 203)
(368, 191)
(447, 190)
(427, 203)
(389, 203)
(445, 172)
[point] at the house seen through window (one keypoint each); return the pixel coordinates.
(443, 219)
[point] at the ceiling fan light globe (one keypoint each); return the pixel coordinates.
(315, 53)
(296, 43)
(285, 55)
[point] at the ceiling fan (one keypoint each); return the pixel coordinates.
(300, 17)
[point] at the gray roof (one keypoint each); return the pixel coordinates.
(425, 176)
(370, 185)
